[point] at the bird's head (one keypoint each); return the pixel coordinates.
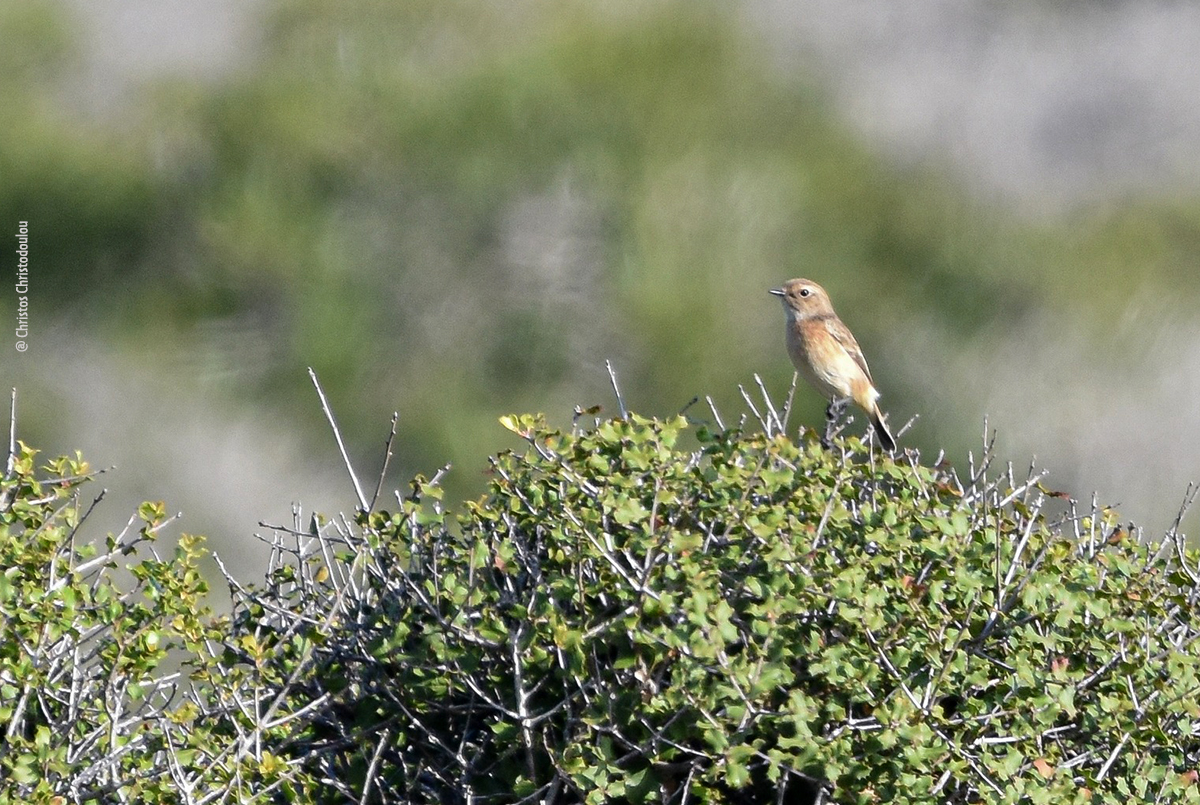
(804, 298)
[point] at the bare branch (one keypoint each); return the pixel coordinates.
(363, 503)
(387, 456)
(612, 376)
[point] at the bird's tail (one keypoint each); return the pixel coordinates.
(881, 430)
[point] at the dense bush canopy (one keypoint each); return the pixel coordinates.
(622, 617)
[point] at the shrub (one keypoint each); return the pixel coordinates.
(117, 684)
(620, 618)
(86, 698)
(623, 620)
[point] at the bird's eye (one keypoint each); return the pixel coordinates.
(806, 291)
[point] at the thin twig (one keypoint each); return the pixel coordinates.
(787, 403)
(772, 413)
(387, 456)
(337, 434)
(754, 409)
(716, 414)
(1112, 758)
(612, 376)
(374, 767)
(12, 436)
(903, 429)
(1189, 497)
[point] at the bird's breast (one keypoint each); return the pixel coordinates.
(823, 362)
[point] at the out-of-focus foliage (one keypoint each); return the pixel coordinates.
(453, 209)
(36, 44)
(91, 206)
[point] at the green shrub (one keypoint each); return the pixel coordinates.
(623, 620)
(86, 694)
(620, 618)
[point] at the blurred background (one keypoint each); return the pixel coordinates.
(457, 209)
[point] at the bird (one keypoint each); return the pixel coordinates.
(824, 351)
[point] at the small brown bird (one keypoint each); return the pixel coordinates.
(825, 352)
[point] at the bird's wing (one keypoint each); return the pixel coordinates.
(841, 333)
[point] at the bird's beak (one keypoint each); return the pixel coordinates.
(776, 291)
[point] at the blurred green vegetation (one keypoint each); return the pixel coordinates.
(457, 210)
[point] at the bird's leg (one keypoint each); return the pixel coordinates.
(833, 412)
